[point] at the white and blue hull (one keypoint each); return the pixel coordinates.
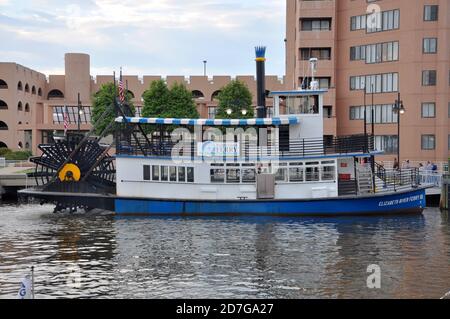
(407, 202)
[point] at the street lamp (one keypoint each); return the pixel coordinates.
(399, 109)
(244, 112)
(229, 111)
(80, 113)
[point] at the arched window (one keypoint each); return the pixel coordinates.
(27, 145)
(3, 105)
(33, 90)
(3, 145)
(20, 123)
(215, 95)
(19, 86)
(55, 94)
(3, 126)
(27, 88)
(40, 92)
(27, 107)
(131, 94)
(20, 145)
(3, 84)
(198, 94)
(20, 106)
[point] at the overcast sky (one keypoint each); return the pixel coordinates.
(146, 37)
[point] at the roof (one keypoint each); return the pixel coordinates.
(206, 122)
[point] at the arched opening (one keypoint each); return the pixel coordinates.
(20, 123)
(198, 94)
(27, 88)
(55, 94)
(215, 95)
(131, 94)
(3, 105)
(19, 86)
(3, 145)
(20, 145)
(40, 92)
(27, 107)
(33, 90)
(3, 84)
(27, 145)
(3, 126)
(20, 106)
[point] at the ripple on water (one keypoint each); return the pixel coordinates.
(100, 256)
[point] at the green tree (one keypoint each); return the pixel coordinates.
(236, 97)
(176, 102)
(103, 101)
(181, 103)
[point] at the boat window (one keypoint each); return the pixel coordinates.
(296, 175)
(328, 173)
(233, 176)
(233, 165)
(147, 173)
(173, 174)
(281, 175)
(164, 173)
(217, 176)
(155, 173)
(182, 174)
(312, 163)
(190, 174)
(249, 175)
(248, 165)
(312, 174)
(328, 162)
(217, 165)
(295, 164)
(302, 104)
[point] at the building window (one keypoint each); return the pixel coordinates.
(376, 53)
(3, 85)
(55, 94)
(383, 114)
(316, 24)
(3, 126)
(431, 13)
(19, 86)
(430, 45)
(376, 22)
(388, 143)
(324, 82)
(380, 83)
(73, 115)
(428, 142)
(3, 105)
(319, 53)
(196, 94)
(428, 110)
(429, 78)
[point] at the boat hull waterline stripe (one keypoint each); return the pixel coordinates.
(205, 122)
(407, 202)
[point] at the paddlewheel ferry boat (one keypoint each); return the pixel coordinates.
(279, 165)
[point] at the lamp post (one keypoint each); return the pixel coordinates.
(80, 112)
(399, 109)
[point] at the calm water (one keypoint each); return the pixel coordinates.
(102, 256)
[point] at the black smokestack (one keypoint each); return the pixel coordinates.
(261, 81)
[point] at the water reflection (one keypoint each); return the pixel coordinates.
(100, 255)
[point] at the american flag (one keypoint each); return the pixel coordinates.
(66, 119)
(121, 91)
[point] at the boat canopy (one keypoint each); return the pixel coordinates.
(291, 120)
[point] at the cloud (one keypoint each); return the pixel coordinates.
(170, 35)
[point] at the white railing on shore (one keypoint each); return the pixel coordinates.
(431, 178)
(442, 167)
(2, 162)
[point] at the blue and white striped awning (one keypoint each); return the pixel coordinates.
(205, 122)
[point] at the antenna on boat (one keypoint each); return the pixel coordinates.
(314, 84)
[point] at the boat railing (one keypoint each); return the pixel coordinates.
(308, 147)
(388, 180)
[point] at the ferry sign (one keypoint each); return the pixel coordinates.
(214, 149)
